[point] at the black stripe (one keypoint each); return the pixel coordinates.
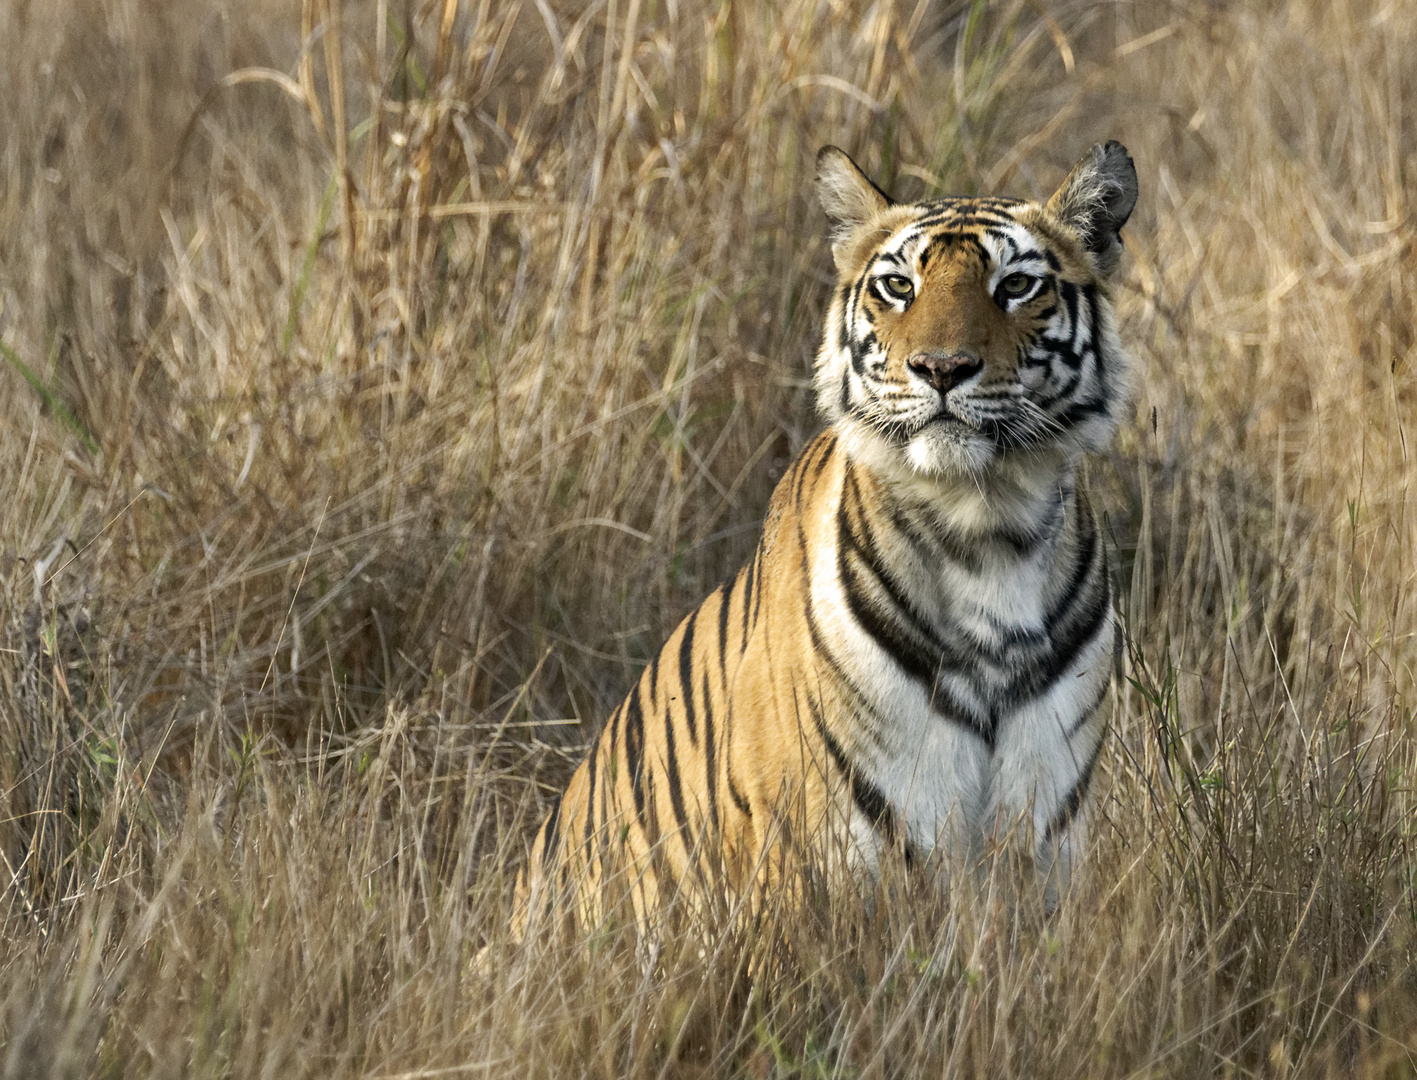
(651, 818)
(1082, 567)
(1086, 714)
(942, 701)
(826, 659)
(738, 799)
(799, 479)
(919, 651)
(757, 594)
(1069, 293)
(860, 350)
(967, 241)
(1094, 316)
(1062, 612)
(671, 772)
(608, 800)
(549, 831)
(634, 751)
(1081, 630)
(1021, 543)
(865, 796)
(616, 722)
(686, 667)
(590, 793)
(1079, 411)
(892, 634)
(654, 672)
(826, 448)
(1070, 377)
(897, 631)
(938, 542)
(710, 747)
(859, 538)
(959, 218)
(725, 598)
(1069, 637)
(1072, 803)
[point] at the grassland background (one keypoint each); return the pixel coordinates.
(380, 383)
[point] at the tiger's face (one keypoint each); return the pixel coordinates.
(963, 330)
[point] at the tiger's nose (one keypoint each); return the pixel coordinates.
(944, 371)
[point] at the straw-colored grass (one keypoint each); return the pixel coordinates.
(380, 382)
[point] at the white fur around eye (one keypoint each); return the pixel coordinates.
(1018, 252)
(882, 283)
(1011, 300)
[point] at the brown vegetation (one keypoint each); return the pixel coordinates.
(381, 382)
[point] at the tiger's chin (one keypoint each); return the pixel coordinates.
(949, 448)
(941, 450)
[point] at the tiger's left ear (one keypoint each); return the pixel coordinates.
(1096, 199)
(847, 195)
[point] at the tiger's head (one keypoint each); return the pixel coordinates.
(964, 331)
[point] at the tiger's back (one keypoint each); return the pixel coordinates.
(917, 651)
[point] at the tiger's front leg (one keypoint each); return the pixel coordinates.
(1044, 756)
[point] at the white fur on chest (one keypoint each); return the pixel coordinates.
(944, 779)
(948, 786)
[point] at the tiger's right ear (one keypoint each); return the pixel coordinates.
(846, 194)
(1097, 198)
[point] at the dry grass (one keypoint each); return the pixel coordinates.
(364, 427)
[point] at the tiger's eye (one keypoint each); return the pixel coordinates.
(1016, 284)
(898, 286)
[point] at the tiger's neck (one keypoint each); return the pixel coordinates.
(1022, 494)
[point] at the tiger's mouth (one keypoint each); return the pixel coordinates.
(1021, 429)
(949, 417)
(959, 421)
(943, 420)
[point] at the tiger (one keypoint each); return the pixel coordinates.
(917, 654)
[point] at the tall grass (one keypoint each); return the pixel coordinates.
(382, 381)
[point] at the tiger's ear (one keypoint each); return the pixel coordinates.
(1097, 198)
(846, 194)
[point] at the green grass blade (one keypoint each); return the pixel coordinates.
(50, 399)
(307, 268)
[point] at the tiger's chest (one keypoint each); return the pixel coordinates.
(967, 702)
(1013, 755)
